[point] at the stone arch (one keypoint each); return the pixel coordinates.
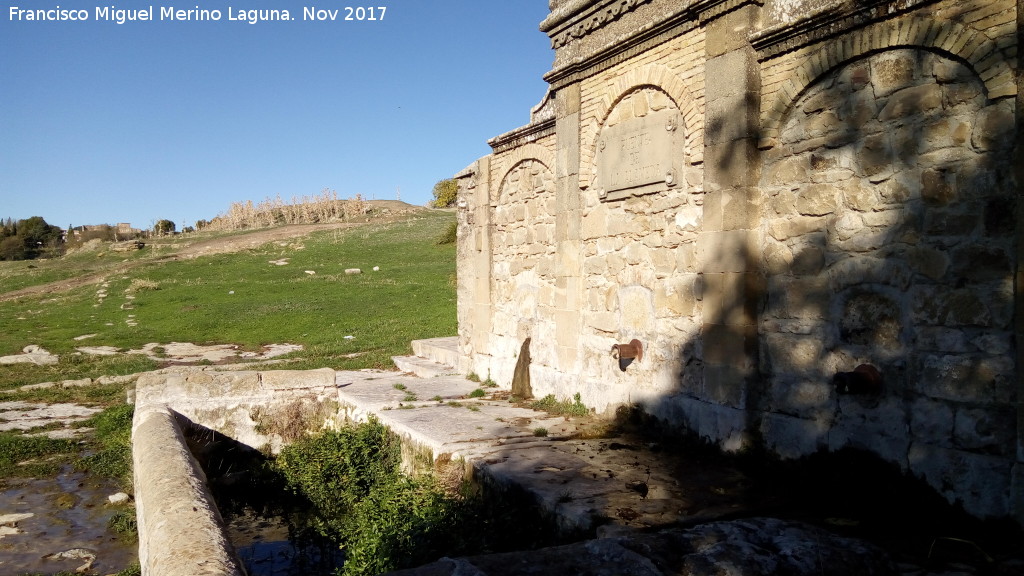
(522, 154)
(945, 37)
(659, 77)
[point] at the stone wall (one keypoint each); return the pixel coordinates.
(766, 195)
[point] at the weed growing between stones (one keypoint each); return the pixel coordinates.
(28, 456)
(386, 520)
(557, 407)
(110, 453)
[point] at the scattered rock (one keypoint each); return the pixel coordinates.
(31, 354)
(75, 554)
(98, 350)
(12, 519)
(311, 272)
(749, 547)
(85, 337)
(376, 268)
(353, 271)
(119, 498)
(281, 262)
(26, 416)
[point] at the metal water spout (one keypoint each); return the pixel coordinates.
(627, 353)
(864, 380)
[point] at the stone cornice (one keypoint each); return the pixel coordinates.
(788, 36)
(519, 136)
(590, 16)
(687, 17)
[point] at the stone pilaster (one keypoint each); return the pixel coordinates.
(474, 263)
(568, 219)
(1018, 472)
(727, 246)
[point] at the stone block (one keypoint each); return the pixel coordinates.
(876, 155)
(991, 430)
(877, 425)
(912, 101)
(801, 297)
(731, 164)
(963, 378)
(859, 269)
(938, 187)
(809, 399)
(808, 260)
(950, 222)
(980, 483)
(728, 251)
(931, 421)
(941, 339)
(897, 190)
(940, 306)
(740, 209)
(636, 310)
(785, 228)
(859, 197)
(729, 345)
(994, 128)
(792, 355)
(732, 298)
(791, 437)
(778, 258)
(892, 71)
(788, 171)
(982, 263)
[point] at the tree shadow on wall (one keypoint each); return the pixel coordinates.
(885, 237)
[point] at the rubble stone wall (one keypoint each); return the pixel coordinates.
(766, 195)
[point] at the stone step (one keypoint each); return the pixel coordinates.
(423, 367)
(440, 350)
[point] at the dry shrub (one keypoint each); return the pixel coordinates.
(324, 207)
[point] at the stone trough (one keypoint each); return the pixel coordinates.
(615, 490)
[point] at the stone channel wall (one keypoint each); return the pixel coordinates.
(180, 529)
(767, 194)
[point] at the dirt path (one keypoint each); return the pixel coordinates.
(223, 245)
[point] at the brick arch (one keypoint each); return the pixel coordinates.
(946, 37)
(521, 154)
(659, 77)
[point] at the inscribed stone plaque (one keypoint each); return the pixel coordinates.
(639, 156)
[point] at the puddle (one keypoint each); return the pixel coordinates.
(69, 512)
(268, 525)
(269, 546)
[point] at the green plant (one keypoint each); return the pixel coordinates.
(111, 454)
(540, 432)
(477, 393)
(473, 377)
(449, 235)
(445, 193)
(32, 455)
(561, 408)
(398, 386)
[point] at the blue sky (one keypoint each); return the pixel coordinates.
(103, 122)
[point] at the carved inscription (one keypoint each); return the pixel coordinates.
(638, 154)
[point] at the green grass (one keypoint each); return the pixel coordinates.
(550, 404)
(242, 299)
(28, 456)
(110, 451)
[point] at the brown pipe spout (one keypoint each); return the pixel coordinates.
(633, 350)
(865, 379)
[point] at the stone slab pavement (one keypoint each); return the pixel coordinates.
(583, 482)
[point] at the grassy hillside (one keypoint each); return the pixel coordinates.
(243, 298)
